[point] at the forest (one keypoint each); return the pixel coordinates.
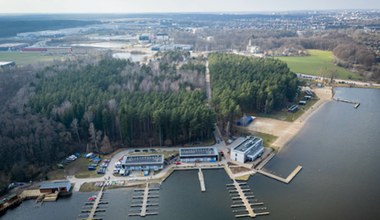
(111, 103)
(249, 85)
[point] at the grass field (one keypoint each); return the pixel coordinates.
(22, 59)
(318, 62)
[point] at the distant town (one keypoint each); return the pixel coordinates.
(91, 104)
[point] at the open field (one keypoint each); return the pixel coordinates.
(318, 61)
(27, 58)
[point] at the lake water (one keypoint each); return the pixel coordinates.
(339, 150)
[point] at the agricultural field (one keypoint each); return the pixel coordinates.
(319, 62)
(22, 59)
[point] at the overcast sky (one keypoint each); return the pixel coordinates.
(138, 6)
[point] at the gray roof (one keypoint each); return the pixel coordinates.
(55, 185)
(198, 151)
(247, 144)
(143, 159)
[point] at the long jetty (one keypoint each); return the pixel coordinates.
(201, 180)
(356, 104)
(281, 179)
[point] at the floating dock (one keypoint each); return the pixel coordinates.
(146, 201)
(93, 208)
(201, 180)
(243, 203)
(281, 179)
(96, 204)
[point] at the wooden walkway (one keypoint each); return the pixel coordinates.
(281, 179)
(94, 208)
(244, 199)
(265, 161)
(143, 206)
(201, 180)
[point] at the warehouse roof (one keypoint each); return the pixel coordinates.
(55, 185)
(198, 151)
(247, 144)
(143, 159)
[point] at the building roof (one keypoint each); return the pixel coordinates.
(247, 144)
(198, 151)
(55, 185)
(143, 159)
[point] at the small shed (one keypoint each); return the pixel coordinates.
(57, 186)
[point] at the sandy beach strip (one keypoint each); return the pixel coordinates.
(286, 131)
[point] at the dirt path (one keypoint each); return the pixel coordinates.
(286, 131)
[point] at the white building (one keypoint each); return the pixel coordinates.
(248, 150)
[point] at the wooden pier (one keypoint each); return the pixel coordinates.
(356, 104)
(281, 179)
(201, 180)
(244, 199)
(266, 160)
(145, 203)
(96, 204)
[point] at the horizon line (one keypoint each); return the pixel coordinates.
(191, 12)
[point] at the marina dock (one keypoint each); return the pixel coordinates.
(244, 199)
(96, 204)
(281, 179)
(91, 209)
(144, 203)
(201, 180)
(243, 202)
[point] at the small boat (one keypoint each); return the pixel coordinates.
(92, 198)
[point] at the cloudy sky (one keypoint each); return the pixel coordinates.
(138, 6)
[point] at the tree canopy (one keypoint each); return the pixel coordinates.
(243, 84)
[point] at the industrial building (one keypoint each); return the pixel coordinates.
(248, 150)
(57, 186)
(198, 154)
(143, 162)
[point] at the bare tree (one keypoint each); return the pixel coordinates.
(74, 128)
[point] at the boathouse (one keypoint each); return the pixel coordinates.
(248, 150)
(57, 186)
(143, 162)
(198, 154)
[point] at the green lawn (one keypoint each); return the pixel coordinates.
(319, 62)
(22, 58)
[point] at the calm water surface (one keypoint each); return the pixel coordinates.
(339, 150)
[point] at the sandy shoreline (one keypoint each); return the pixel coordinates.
(286, 131)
